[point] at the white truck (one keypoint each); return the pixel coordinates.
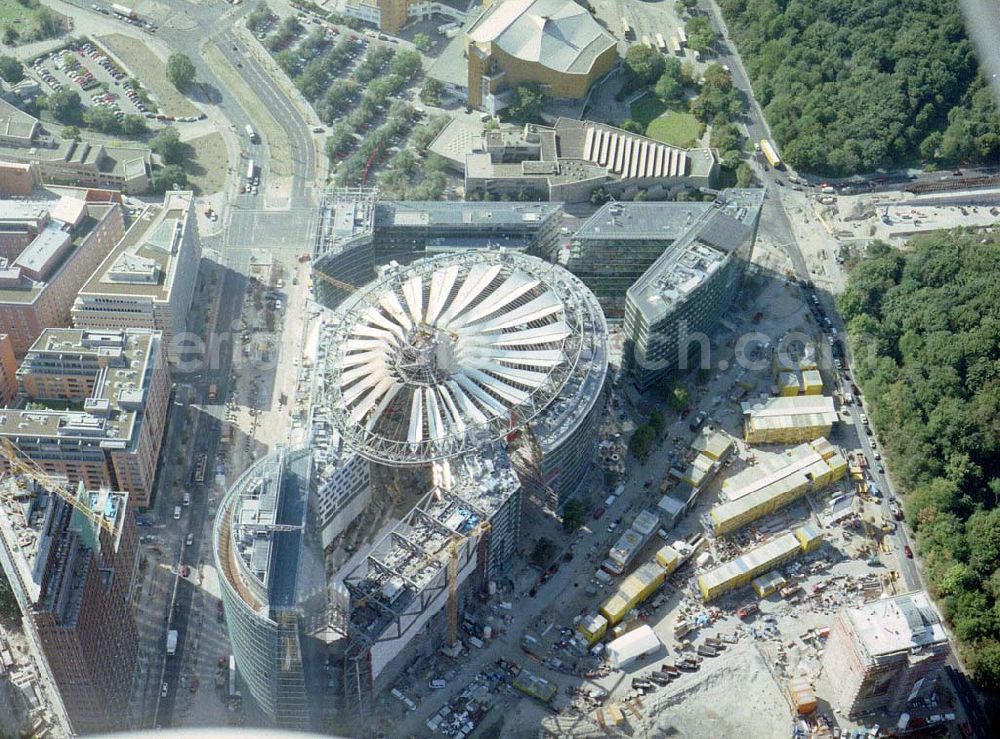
(171, 642)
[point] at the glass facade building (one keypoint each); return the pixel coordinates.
(670, 310)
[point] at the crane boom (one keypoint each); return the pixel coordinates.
(334, 281)
(22, 464)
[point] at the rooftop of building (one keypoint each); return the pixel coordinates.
(617, 221)
(713, 235)
(761, 556)
(897, 624)
(791, 411)
(119, 361)
(468, 492)
(56, 240)
(558, 34)
(15, 123)
(144, 263)
(793, 466)
(459, 214)
(575, 151)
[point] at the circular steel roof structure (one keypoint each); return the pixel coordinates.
(440, 357)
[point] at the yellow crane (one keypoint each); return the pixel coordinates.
(22, 464)
(457, 541)
(334, 281)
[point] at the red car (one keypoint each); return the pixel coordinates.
(908, 552)
(686, 412)
(185, 571)
(598, 512)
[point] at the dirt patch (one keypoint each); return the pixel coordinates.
(207, 163)
(280, 160)
(150, 69)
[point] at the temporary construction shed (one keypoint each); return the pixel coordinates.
(802, 695)
(626, 649)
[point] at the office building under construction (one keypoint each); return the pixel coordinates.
(72, 575)
(884, 654)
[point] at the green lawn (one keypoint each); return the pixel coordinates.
(646, 109)
(11, 10)
(664, 124)
(678, 129)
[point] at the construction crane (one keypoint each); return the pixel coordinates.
(269, 527)
(457, 541)
(334, 281)
(22, 464)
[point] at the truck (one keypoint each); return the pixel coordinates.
(770, 154)
(171, 642)
(213, 392)
(251, 171)
(122, 12)
(251, 134)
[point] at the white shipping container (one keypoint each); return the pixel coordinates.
(629, 647)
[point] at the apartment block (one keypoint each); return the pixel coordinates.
(884, 654)
(47, 252)
(73, 580)
(148, 280)
(94, 408)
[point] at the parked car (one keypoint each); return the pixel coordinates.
(908, 552)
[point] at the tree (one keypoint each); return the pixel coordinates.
(669, 88)
(71, 133)
(423, 42)
(677, 397)
(699, 32)
(167, 143)
(11, 69)
(574, 515)
(643, 64)
(180, 71)
(134, 125)
(102, 119)
(406, 64)
(632, 126)
(257, 17)
(529, 102)
(64, 105)
(543, 552)
(744, 175)
(641, 441)
(10, 35)
(167, 178)
(657, 422)
(432, 92)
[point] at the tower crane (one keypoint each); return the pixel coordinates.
(22, 464)
(334, 281)
(457, 541)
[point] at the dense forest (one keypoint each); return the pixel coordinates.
(925, 334)
(849, 86)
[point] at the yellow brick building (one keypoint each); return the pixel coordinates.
(555, 43)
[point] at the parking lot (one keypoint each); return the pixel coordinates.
(88, 70)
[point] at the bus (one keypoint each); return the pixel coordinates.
(770, 154)
(682, 36)
(626, 29)
(251, 171)
(645, 41)
(675, 45)
(661, 43)
(251, 134)
(122, 12)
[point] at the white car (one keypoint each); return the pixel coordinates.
(163, 690)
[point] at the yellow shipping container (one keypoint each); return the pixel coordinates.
(812, 382)
(593, 626)
(668, 558)
(810, 538)
(637, 587)
(788, 384)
